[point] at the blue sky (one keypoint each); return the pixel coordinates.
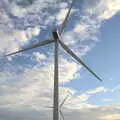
(26, 79)
(105, 53)
(104, 58)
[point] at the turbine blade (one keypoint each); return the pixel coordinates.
(64, 101)
(32, 46)
(48, 106)
(61, 114)
(64, 23)
(68, 50)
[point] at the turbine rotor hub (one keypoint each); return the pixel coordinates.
(55, 34)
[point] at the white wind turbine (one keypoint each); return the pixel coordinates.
(60, 107)
(57, 41)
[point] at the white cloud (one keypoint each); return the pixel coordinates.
(17, 11)
(110, 8)
(63, 5)
(67, 70)
(19, 24)
(80, 99)
(86, 113)
(39, 56)
(32, 90)
(30, 32)
(80, 28)
(62, 14)
(95, 12)
(104, 9)
(14, 16)
(97, 90)
(107, 100)
(115, 89)
(12, 41)
(36, 31)
(83, 97)
(111, 117)
(34, 85)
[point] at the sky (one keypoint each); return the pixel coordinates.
(26, 79)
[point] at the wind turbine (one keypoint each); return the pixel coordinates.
(60, 107)
(56, 33)
(62, 103)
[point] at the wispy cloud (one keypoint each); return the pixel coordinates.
(97, 90)
(97, 113)
(111, 117)
(33, 84)
(39, 56)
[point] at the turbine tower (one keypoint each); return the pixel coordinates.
(57, 41)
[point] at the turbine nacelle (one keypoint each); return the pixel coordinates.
(56, 35)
